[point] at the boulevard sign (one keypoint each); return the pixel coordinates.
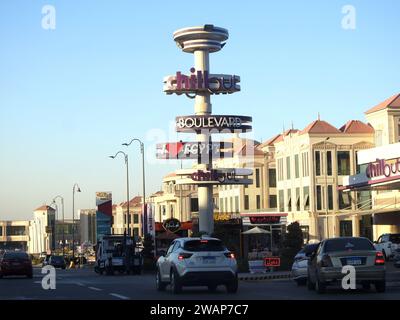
(209, 122)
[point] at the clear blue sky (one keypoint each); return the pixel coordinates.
(70, 96)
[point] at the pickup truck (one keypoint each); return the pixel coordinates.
(387, 244)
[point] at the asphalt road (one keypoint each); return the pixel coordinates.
(85, 284)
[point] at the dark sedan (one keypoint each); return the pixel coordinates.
(15, 264)
(57, 262)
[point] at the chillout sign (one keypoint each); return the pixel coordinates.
(215, 176)
(172, 225)
(198, 123)
(382, 168)
(199, 81)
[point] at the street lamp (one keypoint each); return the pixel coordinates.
(55, 230)
(143, 176)
(74, 189)
(63, 221)
(127, 185)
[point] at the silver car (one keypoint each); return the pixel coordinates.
(197, 262)
(300, 264)
(326, 264)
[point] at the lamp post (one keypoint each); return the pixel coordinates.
(143, 177)
(127, 187)
(326, 188)
(74, 189)
(54, 233)
(63, 222)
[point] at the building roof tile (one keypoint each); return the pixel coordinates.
(392, 102)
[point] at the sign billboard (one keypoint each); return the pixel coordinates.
(103, 213)
(201, 81)
(213, 122)
(272, 262)
(215, 176)
(194, 151)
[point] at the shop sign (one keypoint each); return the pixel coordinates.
(272, 262)
(215, 176)
(210, 122)
(265, 220)
(383, 167)
(172, 225)
(194, 150)
(201, 81)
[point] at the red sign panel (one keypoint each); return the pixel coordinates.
(272, 262)
(265, 220)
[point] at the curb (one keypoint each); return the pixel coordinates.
(264, 277)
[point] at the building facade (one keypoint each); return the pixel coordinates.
(42, 230)
(14, 235)
(380, 172)
(311, 164)
(87, 225)
(135, 219)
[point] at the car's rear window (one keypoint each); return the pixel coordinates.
(310, 248)
(16, 255)
(57, 259)
(203, 245)
(345, 244)
(395, 238)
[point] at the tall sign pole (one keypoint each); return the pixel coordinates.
(200, 85)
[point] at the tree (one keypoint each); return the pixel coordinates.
(292, 244)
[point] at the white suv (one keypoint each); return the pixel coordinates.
(387, 244)
(197, 262)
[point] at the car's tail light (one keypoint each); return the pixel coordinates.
(326, 261)
(379, 259)
(184, 255)
(230, 255)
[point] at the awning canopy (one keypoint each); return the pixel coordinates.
(256, 230)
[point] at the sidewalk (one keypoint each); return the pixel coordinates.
(265, 276)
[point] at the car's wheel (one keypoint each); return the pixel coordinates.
(176, 285)
(380, 286)
(212, 288)
(233, 286)
(160, 285)
(320, 287)
(310, 285)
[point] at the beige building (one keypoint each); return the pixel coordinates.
(311, 163)
(14, 235)
(174, 200)
(135, 220)
(259, 195)
(41, 230)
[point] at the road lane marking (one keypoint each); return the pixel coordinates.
(119, 296)
(95, 289)
(79, 284)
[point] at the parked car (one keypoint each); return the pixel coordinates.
(300, 264)
(197, 262)
(387, 244)
(15, 263)
(57, 262)
(325, 265)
